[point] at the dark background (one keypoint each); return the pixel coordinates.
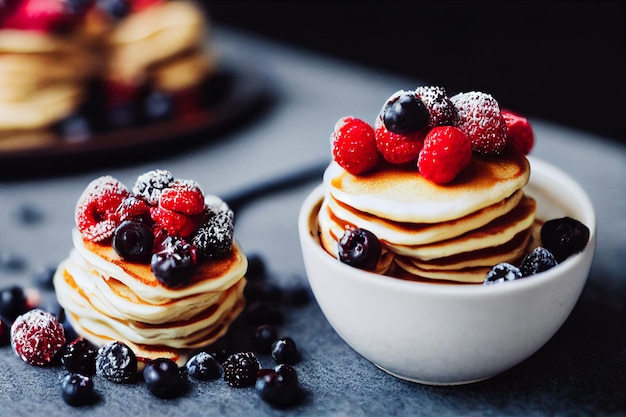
(561, 61)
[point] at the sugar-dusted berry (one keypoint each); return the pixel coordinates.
(184, 197)
(481, 120)
(116, 362)
(151, 184)
(353, 145)
(214, 239)
(134, 207)
(539, 260)
(36, 337)
(397, 148)
(96, 209)
(440, 108)
(79, 357)
(447, 150)
(204, 367)
(502, 272)
(173, 222)
(519, 132)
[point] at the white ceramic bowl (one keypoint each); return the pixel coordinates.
(446, 334)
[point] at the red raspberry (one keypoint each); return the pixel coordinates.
(184, 197)
(398, 148)
(134, 208)
(480, 119)
(96, 210)
(354, 145)
(519, 132)
(175, 224)
(447, 150)
(36, 336)
(442, 111)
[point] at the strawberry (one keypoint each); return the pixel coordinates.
(353, 145)
(184, 197)
(481, 120)
(441, 110)
(395, 147)
(519, 132)
(447, 150)
(96, 209)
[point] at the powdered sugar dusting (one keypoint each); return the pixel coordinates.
(151, 184)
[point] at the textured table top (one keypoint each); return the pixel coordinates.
(580, 371)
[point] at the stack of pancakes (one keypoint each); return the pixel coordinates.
(453, 232)
(108, 299)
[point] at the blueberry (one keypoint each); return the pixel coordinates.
(502, 272)
(164, 379)
(279, 386)
(116, 362)
(284, 350)
(77, 390)
(264, 337)
(117, 9)
(12, 303)
(204, 366)
(405, 114)
(80, 357)
(359, 248)
(539, 260)
(564, 237)
(174, 265)
(133, 241)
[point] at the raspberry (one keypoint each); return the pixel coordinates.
(36, 336)
(96, 209)
(240, 369)
(354, 145)
(447, 150)
(151, 184)
(442, 111)
(174, 223)
(519, 132)
(184, 197)
(480, 119)
(397, 148)
(134, 208)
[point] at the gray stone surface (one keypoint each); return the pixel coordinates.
(579, 372)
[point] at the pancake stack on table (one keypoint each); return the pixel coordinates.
(452, 232)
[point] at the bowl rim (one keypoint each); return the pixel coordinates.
(539, 168)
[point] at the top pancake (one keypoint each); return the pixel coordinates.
(401, 194)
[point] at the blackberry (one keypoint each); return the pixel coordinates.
(80, 357)
(203, 366)
(164, 379)
(77, 390)
(564, 237)
(149, 185)
(214, 239)
(539, 260)
(359, 248)
(284, 350)
(279, 386)
(240, 369)
(116, 362)
(440, 108)
(405, 113)
(502, 272)
(133, 241)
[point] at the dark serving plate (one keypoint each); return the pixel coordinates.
(229, 98)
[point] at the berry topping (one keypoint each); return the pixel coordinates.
(279, 386)
(184, 197)
(13, 302)
(175, 263)
(214, 239)
(133, 241)
(353, 145)
(404, 113)
(134, 208)
(80, 357)
(77, 390)
(447, 150)
(502, 272)
(240, 369)
(36, 337)
(539, 260)
(359, 248)
(204, 367)
(564, 237)
(519, 133)
(284, 350)
(116, 362)
(397, 148)
(164, 379)
(96, 210)
(441, 110)
(151, 184)
(480, 119)
(174, 223)
(264, 337)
